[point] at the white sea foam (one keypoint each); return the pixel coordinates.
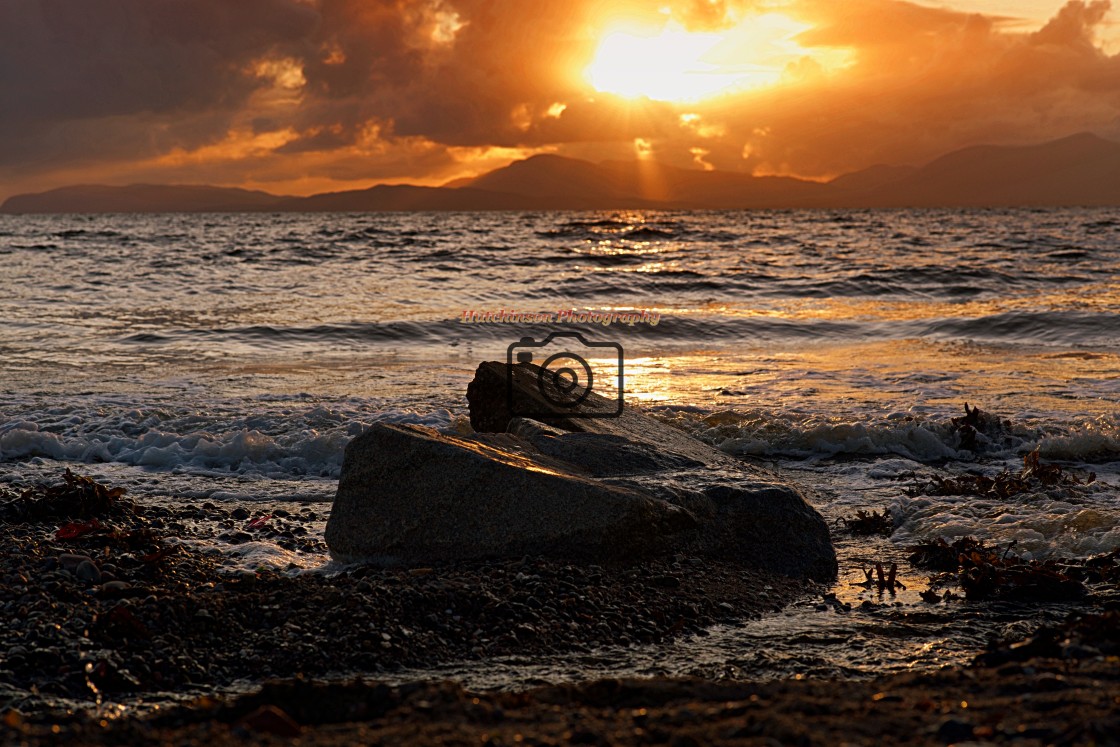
(1097, 440)
(303, 440)
(253, 556)
(761, 433)
(901, 450)
(1065, 521)
(912, 435)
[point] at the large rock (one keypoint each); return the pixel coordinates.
(411, 493)
(595, 488)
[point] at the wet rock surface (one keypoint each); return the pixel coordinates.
(569, 488)
(412, 493)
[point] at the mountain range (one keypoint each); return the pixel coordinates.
(1078, 170)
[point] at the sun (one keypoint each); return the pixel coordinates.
(673, 64)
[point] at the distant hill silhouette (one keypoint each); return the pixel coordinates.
(1078, 170)
(871, 178)
(406, 197)
(139, 198)
(632, 184)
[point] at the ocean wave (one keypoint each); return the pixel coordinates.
(914, 436)
(1093, 442)
(648, 233)
(277, 445)
(355, 332)
(615, 228)
(1039, 327)
(1064, 329)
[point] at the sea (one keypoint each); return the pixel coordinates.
(222, 358)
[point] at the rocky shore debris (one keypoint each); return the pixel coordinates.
(867, 523)
(130, 611)
(984, 572)
(78, 498)
(1057, 687)
(1095, 635)
(877, 578)
(596, 489)
(979, 431)
(1033, 476)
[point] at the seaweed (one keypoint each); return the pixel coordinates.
(939, 555)
(1006, 484)
(931, 596)
(990, 576)
(976, 425)
(864, 523)
(89, 515)
(78, 497)
(986, 573)
(883, 581)
(1104, 568)
(1081, 636)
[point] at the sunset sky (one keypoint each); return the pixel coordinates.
(300, 96)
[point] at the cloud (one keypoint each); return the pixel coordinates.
(307, 93)
(87, 82)
(926, 80)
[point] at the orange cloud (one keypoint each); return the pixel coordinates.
(305, 93)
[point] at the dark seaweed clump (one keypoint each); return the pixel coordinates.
(866, 523)
(76, 497)
(1033, 476)
(985, 572)
(1080, 636)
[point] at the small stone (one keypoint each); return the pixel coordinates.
(70, 561)
(87, 571)
(115, 587)
(954, 730)
(269, 719)
(240, 513)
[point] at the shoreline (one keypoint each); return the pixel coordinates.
(125, 611)
(1030, 702)
(121, 633)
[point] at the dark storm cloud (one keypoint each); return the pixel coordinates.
(89, 58)
(108, 77)
(461, 91)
